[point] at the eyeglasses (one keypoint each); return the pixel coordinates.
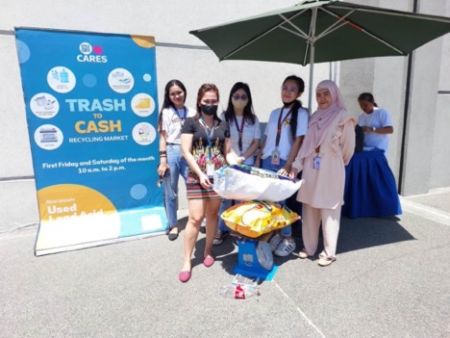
(242, 97)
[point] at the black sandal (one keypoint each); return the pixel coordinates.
(173, 236)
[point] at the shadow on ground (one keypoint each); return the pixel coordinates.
(364, 233)
(225, 254)
(355, 234)
(361, 233)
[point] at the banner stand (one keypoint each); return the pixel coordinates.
(92, 112)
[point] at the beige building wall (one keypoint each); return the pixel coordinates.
(181, 55)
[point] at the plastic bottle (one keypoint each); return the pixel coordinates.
(243, 280)
(63, 76)
(238, 291)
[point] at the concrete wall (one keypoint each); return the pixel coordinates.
(385, 77)
(440, 164)
(178, 56)
(423, 130)
(427, 155)
(181, 55)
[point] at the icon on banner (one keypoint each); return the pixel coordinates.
(61, 79)
(120, 80)
(44, 102)
(48, 137)
(44, 105)
(142, 104)
(85, 48)
(61, 76)
(90, 53)
(147, 77)
(144, 133)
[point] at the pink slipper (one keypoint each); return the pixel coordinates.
(184, 276)
(208, 261)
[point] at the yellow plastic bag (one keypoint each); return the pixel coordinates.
(256, 218)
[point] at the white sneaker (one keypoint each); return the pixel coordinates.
(275, 241)
(286, 247)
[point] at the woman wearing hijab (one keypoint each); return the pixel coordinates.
(328, 146)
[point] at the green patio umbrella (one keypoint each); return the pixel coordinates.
(322, 31)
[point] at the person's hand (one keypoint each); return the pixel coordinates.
(367, 129)
(232, 159)
(240, 159)
(162, 168)
(284, 171)
(293, 173)
(204, 181)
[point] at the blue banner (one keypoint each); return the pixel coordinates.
(91, 105)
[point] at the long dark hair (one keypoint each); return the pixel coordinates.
(367, 97)
(249, 115)
(167, 103)
(206, 87)
(297, 103)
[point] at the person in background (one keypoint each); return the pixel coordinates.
(206, 146)
(375, 122)
(171, 163)
(284, 133)
(328, 146)
(245, 135)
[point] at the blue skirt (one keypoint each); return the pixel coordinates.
(370, 188)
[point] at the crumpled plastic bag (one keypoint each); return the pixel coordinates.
(246, 183)
(256, 218)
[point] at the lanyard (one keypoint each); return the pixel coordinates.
(182, 117)
(209, 131)
(240, 131)
(280, 124)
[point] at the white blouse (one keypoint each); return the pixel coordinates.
(172, 121)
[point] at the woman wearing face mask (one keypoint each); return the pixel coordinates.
(284, 133)
(171, 119)
(205, 143)
(245, 135)
(327, 148)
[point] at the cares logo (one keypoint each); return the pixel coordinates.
(91, 53)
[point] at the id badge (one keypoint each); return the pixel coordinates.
(276, 157)
(316, 162)
(210, 169)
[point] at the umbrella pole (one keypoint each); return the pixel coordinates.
(311, 77)
(312, 37)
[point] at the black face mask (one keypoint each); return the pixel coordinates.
(209, 109)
